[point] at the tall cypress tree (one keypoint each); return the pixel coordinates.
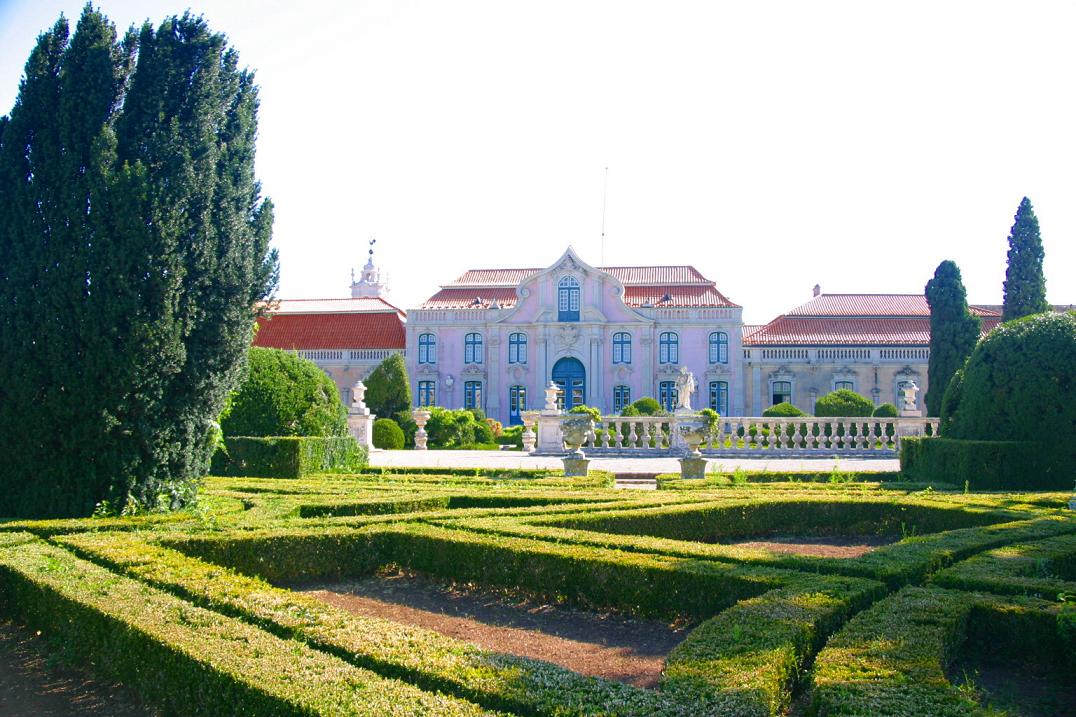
(954, 331)
(1025, 285)
(134, 246)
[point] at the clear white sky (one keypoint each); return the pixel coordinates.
(771, 144)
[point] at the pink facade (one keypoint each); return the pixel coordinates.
(495, 339)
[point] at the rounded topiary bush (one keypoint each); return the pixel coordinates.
(388, 434)
(1019, 385)
(782, 410)
(645, 406)
(885, 410)
(284, 395)
(843, 402)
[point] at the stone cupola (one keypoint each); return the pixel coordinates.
(370, 283)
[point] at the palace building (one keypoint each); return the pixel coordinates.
(606, 336)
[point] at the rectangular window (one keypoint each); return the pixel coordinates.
(838, 385)
(472, 348)
(517, 404)
(719, 397)
(517, 348)
(621, 398)
(669, 348)
(472, 394)
(668, 395)
(427, 393)
(621, 347)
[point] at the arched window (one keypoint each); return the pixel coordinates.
(427, 348)
(517, 348)
(782, 392)
(668, 395)
(719, 397)
(669, 348)
(568, 299)
(622, 347)
(719, 347)
(472, 348)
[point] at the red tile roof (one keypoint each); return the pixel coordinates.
(332, 306)
(684, 286)
(850, 331)
(354, 330)
(873, 305)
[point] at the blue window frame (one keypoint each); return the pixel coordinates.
(427, 348)
(668, 348)
(517, 348)
(621, 398)
(472, 348)
(472, 394)
(622, 347)
(782, 392)
(719, 347)
(568, 299)
(427, 393)
(719, 397)
(517, 404)
(667, 395)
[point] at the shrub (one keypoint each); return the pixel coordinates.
(496, 426)
(483, 433)
(284, 395)
(594, 413)
(388, 434)
(388, 389)
(885, 410)
(459, 428)
(782, 410)
(645, 406)
(982, 465)
(288, 456)
(1020, 385)
(843, 402)
(511, 436)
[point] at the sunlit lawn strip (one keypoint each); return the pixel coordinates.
(187, 659)
(1044, 568)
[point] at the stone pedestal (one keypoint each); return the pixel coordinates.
(530, 420)
(420, 416)
(576, 467)
(692, 468)
(360, 422)
(550, 436)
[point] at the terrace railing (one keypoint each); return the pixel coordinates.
(766, 437)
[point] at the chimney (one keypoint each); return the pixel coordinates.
(817, 289)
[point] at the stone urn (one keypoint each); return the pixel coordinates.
(576, 428)
(694, 433)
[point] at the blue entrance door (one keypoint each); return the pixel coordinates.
(571, 380)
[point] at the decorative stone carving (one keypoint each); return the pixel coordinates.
(551, 400)
(685, 386)
(568, 335)
(908, 402)
(576, 428)
(358, 403)
(420, 416)
(530, 418)
(360, 421)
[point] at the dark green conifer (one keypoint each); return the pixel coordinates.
(953, 331)
(388, 389)
(133, 248)
(1025, 285)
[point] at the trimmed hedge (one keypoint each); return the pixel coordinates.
(1046, 569)
(891, 659)
(747, 660)
(288, 456)
(982, 465)
(388, 434)
(186, 659)
(431, 660)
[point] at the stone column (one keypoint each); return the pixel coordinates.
(360, 421)
(420, 415)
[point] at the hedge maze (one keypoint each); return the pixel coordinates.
(194, 609)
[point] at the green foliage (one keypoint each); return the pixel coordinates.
(843, 402)
(457, 428)
(1025, 284)
(388, 389)
(511, 436)
(186, 659)
(984, 465)
(1037, 568)
(645, 406)
(134, 245)
(953, 331)
(594, 413)
(885, 410)
(288, 456)
(388, 434)
(284, 395)
(783, 410)
(1020, 385)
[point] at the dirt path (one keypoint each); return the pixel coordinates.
(30, 686)
(826, 546)
(598, 644)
